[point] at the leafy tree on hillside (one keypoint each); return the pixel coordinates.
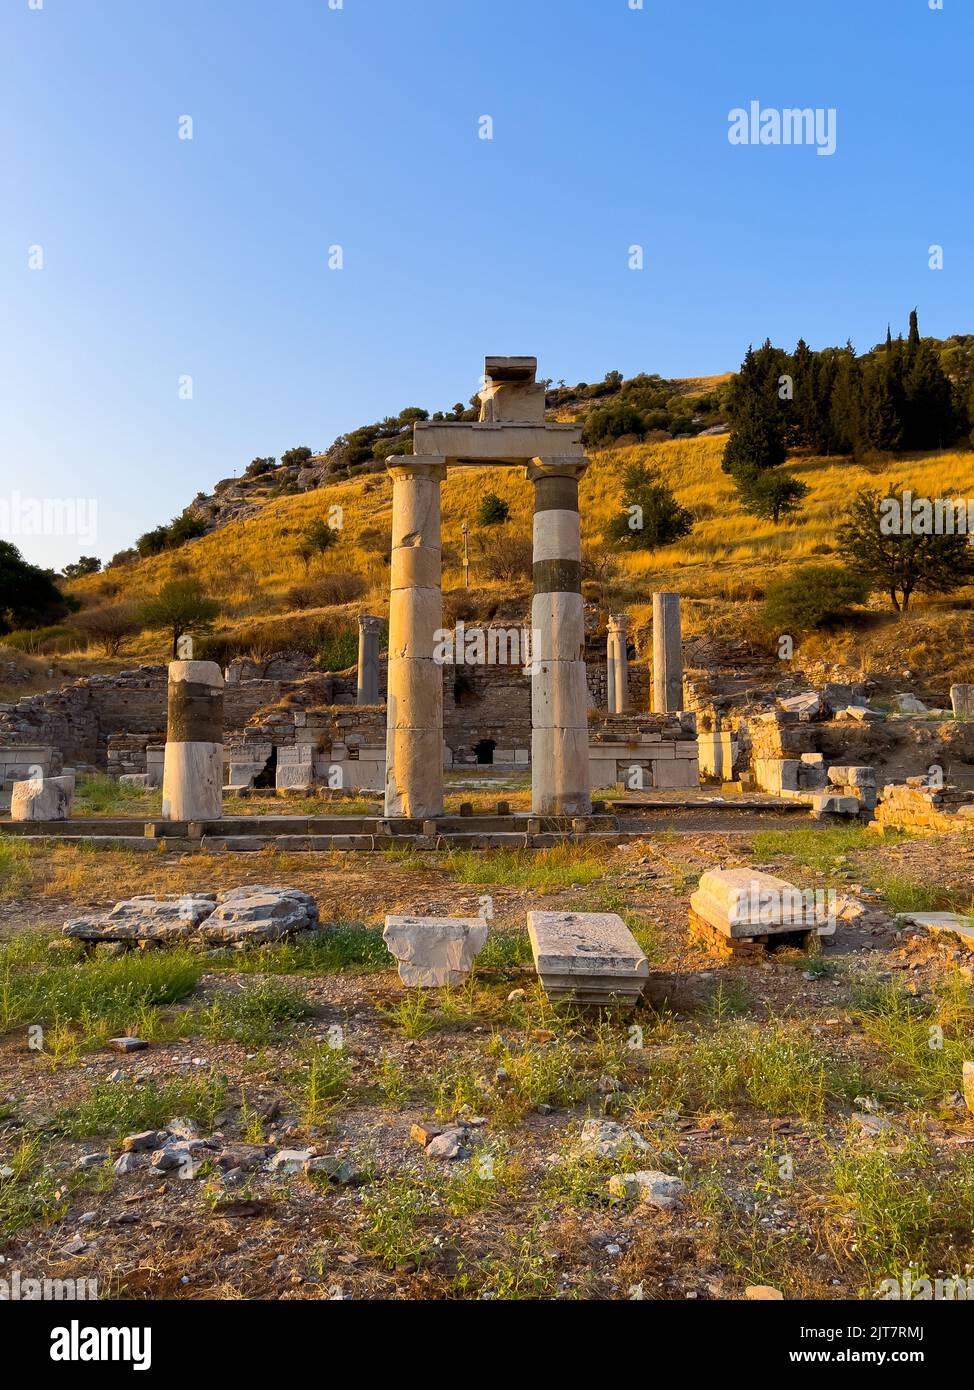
(319, 537)
(296, 458)
(770, 495)
(493, 510)
(109, 625)
(29, 596)
(650, 515)
(258, 467)
(85, 564)
(180, 606)
(608, 422)
(898, 559)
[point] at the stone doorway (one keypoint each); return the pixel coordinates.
(485, 752)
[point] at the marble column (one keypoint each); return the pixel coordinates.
(367, 691)
(192, 778)
(667, 654)
(617, 663)
(414, 720)
(560, 778)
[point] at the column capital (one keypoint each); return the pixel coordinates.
(417, 466)
(368, 623)
(618, 622)
(567, 466)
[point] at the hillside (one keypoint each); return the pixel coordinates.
(253, 568)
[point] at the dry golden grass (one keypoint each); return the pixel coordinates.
(722, 569)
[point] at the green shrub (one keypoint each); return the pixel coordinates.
(814, 596)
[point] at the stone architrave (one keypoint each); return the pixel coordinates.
(367, 688)
(617, 664)
(592, 957)
(414, 718)
(667, 654)
(192, 781)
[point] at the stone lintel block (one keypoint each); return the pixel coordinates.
(852, 776)
(42, 799)
(592, 949)
(512, 443)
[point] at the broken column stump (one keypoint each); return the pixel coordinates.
(434, 951)
(590, 957)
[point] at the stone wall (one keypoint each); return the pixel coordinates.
(81, 718)
(644, 752)
(915, 805)
(108, 721)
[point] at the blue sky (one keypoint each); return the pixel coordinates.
(359, 127)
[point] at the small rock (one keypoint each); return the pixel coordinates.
(90, 1161)
(655, 1189)
(424, 1134)
(763, 1293)
(332, 1166)
(608, 1139)
(448, 1145)
(126, 1163)
(289, 1161)
(75, 1247)
(148, 1139)
(127, 1044)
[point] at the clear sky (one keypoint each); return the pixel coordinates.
(359, 127)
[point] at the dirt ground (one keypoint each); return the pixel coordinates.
(804, 1101)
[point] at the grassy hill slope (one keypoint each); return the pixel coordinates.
(722, 568)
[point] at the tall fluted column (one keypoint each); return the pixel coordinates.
(667, 654)
(560, 778)
(617, 664)
(192, 779)
(414, 723)
(367, 689)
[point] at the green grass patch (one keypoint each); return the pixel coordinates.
(253, 1016)
(902, 893)
(924, 1043)
(773, 1067)
(98, 795)
(561, 866)
(14, 866)
(349, 947)
(904, 1208)
(100, 994)
(118, 1108)
(821, 850)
